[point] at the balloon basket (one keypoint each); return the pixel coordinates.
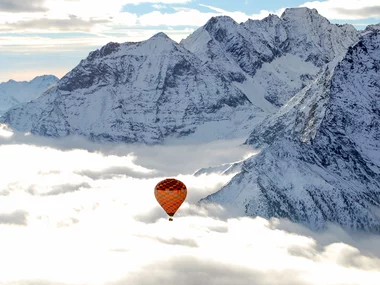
(170, 219)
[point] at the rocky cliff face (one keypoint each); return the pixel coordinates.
(319, 159)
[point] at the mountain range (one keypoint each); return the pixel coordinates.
(217, 83)
(304, 92)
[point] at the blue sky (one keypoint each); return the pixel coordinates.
(246, 6)
(51, 36)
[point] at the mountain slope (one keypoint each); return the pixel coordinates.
(135, 92)
(320, 154)
(275, 57)
(13, 92)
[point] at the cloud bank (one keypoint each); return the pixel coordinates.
(72, 23)
(74, 212)
(15, 218)
(346, 10)
(15, 6)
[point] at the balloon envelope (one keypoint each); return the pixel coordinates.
(170, 194)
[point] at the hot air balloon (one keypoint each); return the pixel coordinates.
(170, 194)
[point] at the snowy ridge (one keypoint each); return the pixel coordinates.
(319, 158)
(224, 169)
(13, 93)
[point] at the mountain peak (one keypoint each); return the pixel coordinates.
(270, 20)
(298, 13)
(373, 28)
(161, 35)
(104, 51)
(45, 77)
(219, 21)
(271, 17)
(159, 42)
(162, 38)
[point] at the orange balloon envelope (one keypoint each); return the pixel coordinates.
(170, 194)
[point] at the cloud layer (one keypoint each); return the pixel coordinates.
(14, 6)
(74, 212)
(14, 218)
(346, 10)
(68, 30)
(72, 23)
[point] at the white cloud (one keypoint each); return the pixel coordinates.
(159, 6)
(14, 218)
(346, 10)
(5, 131)
(192, 17)
(75, 212)
(182, 17)
(239, 16)
(15, 6)
(71, 23)
(84, 8)
(104, 16)
(61, 10)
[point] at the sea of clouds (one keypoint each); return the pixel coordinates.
(76, 212)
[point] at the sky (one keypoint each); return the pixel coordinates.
(96, 221)
(51, 36)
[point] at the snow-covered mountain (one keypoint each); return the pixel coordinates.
(274, 58)
(372, 28)
(7, 102)
(135, 92)
(320, 153)
(13, 93)
(219, 82)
